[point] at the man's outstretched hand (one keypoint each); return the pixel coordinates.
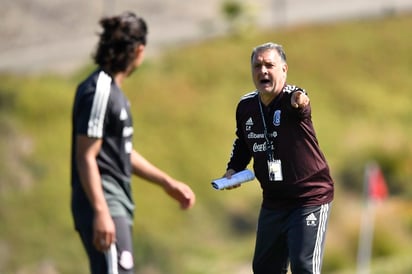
(299, 99)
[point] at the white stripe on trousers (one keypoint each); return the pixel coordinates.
(317, 252)
(111, 259)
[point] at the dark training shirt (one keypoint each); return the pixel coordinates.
(306, 176)
(102, 111)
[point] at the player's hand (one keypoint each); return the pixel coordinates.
(104, 231)
(228, 175)
(299, 99)
(181, 193)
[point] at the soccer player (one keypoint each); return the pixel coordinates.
(103, 157)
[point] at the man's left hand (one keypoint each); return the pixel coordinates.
(299, 99)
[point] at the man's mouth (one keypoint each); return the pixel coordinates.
(264, 81)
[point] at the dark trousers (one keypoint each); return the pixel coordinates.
(119, 258)
(292, 237)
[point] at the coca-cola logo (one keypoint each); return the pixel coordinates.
(259, 147)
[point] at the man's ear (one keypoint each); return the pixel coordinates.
(285, 67)
(139, 49)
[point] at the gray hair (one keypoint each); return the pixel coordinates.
(269, 46)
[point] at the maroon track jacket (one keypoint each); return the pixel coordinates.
(306, 176)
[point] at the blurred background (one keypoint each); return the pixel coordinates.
(353, 58)
(59, 35)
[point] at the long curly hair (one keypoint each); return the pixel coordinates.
(116, 48)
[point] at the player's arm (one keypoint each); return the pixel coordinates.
(177, 190)
(86, 153)
(240, 155)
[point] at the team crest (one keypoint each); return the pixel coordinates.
(276, 117)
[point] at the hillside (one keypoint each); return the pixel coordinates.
(40, 36)
(358, 76)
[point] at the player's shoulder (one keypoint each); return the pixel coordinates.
(89, 82)
(86, 90)
(249, 96)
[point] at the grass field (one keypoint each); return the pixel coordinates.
(358, 75)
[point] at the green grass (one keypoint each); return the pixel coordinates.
(358, 77)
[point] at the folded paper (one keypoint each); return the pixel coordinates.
(236, 179)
